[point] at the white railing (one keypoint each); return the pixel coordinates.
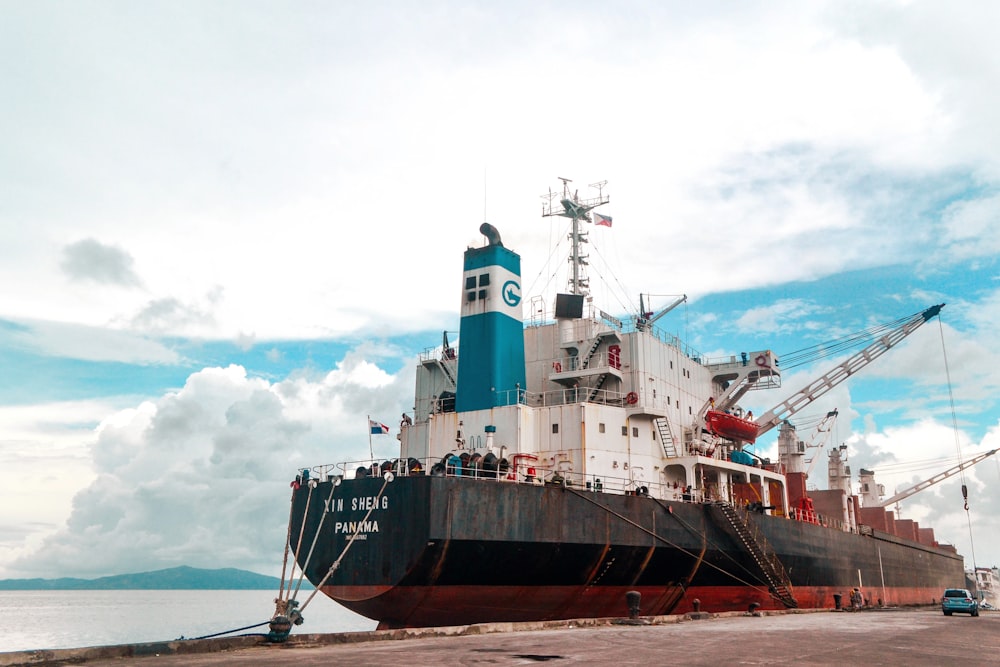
(525, 469)
(520, 469)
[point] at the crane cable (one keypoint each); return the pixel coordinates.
(836, 346)
(958, 446)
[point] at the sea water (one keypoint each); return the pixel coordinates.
(73, 619)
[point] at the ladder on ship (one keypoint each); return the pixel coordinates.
(446, 368)
(596, 343)
(597, 387)
(666, 436)
(757, 546)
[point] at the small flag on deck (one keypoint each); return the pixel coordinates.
(377, 428)
(603, 220)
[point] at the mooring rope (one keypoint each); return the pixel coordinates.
(668, 542)
(288, 543)
(357, 531)
(312, 547)
(287, 595)
(226, 632)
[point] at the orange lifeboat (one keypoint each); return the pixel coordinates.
(730, 426)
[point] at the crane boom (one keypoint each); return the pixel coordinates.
(917, 488)
(645, 320)
(842, 371)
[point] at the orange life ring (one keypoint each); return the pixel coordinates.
(632, 398)
(557, 367)
(761, 360)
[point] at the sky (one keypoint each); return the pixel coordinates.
(228, 229)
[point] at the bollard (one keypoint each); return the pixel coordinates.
(280, 627)
(837, 597)
(752, 610)
(632, 599)
(696, 613)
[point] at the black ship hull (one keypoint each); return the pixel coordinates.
(433, 551)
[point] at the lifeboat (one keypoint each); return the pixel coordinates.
(730, 426)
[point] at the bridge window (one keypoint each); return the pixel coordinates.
(600, 428)
(555, 428)
(625, 431)
(635, 431)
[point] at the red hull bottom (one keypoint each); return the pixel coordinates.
(402, 607)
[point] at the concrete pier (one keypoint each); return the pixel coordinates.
(923, 637)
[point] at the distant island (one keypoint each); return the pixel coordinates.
(175, 578)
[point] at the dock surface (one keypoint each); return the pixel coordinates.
(884, 637)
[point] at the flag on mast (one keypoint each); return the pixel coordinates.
(603, 220)
(377, 428)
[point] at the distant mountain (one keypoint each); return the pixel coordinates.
(175, 578)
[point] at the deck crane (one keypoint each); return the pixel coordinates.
(822, 433)
(842, 371)
(920, 486)
(645, 320)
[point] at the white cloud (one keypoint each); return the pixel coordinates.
(91, 260)
(199, 476)
(970, 227)
(784, 315)
(90, 343)
(46, 461)
(319, 194)
(903, 457)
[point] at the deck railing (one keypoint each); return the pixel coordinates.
(523, 469)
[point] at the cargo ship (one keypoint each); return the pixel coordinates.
(554, 463)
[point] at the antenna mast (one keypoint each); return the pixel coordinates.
(577, 210)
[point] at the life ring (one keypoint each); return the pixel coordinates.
(632, 398)
(761, 360)
(557, 367)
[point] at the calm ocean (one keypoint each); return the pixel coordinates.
(72, 619)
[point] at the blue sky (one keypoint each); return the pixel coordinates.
(228, 229)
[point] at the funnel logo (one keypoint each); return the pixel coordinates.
(511, 293)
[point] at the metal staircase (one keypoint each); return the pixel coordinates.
(666, 436)
(597, 387)
(446, 366)
(593, 348)
(778, 583)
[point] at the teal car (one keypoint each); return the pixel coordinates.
(960, 600)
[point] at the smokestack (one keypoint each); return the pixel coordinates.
(491, 334)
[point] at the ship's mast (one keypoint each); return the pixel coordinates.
(577, 210)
